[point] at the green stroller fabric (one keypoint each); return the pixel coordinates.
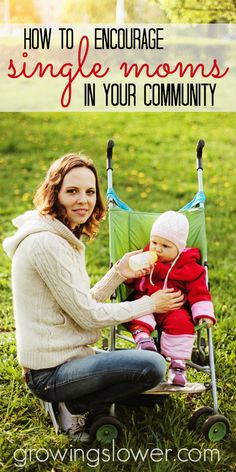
(130, 230)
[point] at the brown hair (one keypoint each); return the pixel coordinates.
(46, 198)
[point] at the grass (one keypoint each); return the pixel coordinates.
(154, 169)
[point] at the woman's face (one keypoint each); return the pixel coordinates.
(78, 195)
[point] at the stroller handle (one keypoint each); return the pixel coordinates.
(110, 146)
(200, 146)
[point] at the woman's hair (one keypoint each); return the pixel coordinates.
(46, 198)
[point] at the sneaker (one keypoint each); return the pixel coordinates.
(177, 373)
(73, 425)
(148, 344)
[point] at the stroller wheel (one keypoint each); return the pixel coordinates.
(215, 428)
(106, 429)
(199, 416)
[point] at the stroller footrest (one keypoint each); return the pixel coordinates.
(168, 388)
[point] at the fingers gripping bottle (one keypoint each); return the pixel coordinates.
(143, 260)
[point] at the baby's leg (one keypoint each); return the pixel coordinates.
(141, 330)
(177, 342)
(178, 334)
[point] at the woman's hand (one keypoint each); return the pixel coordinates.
(123, 268)
(167, 300)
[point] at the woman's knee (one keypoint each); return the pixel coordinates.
(154, 367)
(141, 366)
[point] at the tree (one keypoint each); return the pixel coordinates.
(23, 12)
(91, 11)
(199, 11)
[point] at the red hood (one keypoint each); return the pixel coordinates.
(187, 256)
(184, 268)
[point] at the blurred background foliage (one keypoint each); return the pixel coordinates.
(199, 11)
(135, 11)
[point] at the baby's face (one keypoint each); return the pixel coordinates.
(165, 249)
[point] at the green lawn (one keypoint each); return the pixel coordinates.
(154, 170)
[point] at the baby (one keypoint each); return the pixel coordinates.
(177, 267)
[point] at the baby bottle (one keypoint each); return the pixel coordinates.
(142, 260)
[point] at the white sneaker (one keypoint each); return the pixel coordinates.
(73, 425)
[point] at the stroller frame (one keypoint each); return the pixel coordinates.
(216, 426)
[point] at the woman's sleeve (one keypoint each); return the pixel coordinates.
(105, 287)
(56, 263)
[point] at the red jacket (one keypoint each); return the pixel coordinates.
(186, 275)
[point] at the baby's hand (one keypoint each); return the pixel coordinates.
(205, 320)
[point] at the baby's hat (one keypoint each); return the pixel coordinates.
(173, 226)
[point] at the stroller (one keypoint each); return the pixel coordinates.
(128, 231)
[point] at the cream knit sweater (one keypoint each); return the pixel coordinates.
(57, 315)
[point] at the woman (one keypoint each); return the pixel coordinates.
(57, 315)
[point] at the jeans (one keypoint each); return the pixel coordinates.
(98, 380)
